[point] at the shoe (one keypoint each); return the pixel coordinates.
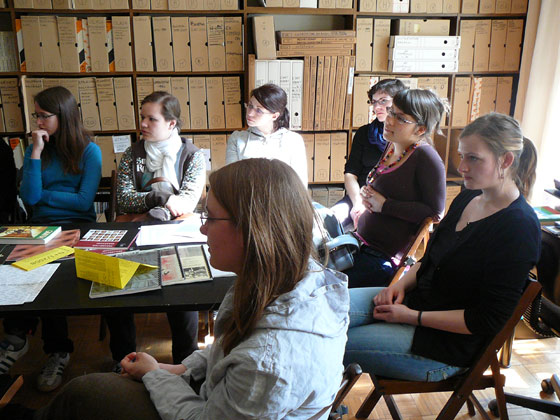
(50, 377)
(160, 213)
(9, 355)
(117, 368)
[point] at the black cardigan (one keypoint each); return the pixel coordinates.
(481, 269)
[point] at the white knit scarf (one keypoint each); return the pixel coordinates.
(160, 160)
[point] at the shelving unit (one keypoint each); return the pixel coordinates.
(285, 19)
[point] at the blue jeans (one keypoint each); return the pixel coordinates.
(384, 349)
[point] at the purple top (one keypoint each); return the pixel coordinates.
(414, 190)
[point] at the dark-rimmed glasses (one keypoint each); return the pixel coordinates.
(42, 116)
(391, 113)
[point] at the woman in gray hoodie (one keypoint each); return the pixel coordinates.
(280, 332)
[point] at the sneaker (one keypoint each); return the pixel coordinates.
(50, 377)
(9, 355)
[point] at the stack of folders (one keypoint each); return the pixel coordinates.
(424, 54)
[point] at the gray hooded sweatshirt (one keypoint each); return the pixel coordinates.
(290, 367)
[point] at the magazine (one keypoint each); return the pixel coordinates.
(142, 281)
(113, 241)
(183, 264)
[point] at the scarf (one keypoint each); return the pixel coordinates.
(375, 135)
(160, 160)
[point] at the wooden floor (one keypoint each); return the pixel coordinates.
(532, 361)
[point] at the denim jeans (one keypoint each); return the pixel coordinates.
(384, 349)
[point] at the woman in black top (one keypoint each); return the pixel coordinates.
(446, 307)
(367, 147)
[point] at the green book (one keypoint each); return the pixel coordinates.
(37, 235)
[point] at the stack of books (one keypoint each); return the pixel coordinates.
(302, 43)
(424, 54)
(28, 234)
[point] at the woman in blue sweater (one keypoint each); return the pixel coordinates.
(62, 167)
(61, 174)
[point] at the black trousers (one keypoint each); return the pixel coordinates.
(55, 331)
(184, 334)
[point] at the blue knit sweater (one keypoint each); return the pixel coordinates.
(56, 196)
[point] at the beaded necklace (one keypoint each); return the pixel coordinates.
(380, 168)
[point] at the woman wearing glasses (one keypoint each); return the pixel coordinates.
(367, 147)
(280, 331)
(431, 323)
(406, 186)
(61, 173)
(268, 135)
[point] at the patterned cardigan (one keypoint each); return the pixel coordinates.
(132, 177)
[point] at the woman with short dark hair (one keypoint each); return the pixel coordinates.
(405, 187)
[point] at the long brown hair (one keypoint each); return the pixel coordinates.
(503, 134)
(269, 205)
(71, 138)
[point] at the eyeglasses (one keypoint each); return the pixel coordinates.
(259, 111)
(42, 116)
(380, 102)
(391, 113)
(204, 218)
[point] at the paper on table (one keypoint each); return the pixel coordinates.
(104, 269)
(215, 272)
(46, 257)
(19, 286)
(187, 231)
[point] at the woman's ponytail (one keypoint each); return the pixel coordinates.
(526, 171)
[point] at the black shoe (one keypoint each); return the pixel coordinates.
(160, 213)
(16, 412)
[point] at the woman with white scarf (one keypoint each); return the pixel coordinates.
(163, 174)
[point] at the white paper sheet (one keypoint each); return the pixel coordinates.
(20, 286)
(187, 231)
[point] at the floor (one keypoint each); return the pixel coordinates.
(532, 361)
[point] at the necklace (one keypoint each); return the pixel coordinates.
(380, 168)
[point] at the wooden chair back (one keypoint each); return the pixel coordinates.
(351, 374)
(107, 193)
(421, 235)
(462, 385)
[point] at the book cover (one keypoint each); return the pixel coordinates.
(28, 234)
(546, 213)
(107, 239)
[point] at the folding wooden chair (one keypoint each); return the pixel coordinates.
(421, 235)
(462, 385)
(351, 374)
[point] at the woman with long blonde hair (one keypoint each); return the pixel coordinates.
(280, 331)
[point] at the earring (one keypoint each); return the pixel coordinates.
(501, 173)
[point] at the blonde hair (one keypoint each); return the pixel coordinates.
(502, 134)
(269, 205)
